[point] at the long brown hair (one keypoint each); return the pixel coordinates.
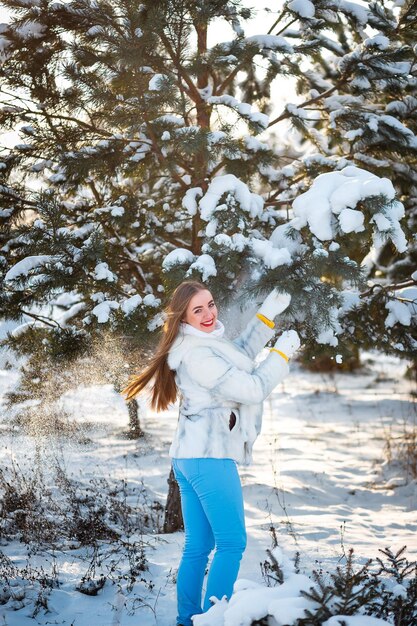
(164, 388)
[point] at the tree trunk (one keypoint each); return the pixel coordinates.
(203, 111)
(135, 431)
(173, 515)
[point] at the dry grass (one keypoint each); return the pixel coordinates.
(400, 449)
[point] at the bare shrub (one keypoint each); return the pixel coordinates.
(23, 505)
(72, 512)
(400, 450)
(26, 586)
(107, 519)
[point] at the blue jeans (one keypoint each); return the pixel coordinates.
(212, 508)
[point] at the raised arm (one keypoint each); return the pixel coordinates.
(260, 328)
(227, 381)
(231, 383)
(255, 335)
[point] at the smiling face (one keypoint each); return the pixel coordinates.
(201, 311)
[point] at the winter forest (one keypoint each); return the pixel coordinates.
(250, 146)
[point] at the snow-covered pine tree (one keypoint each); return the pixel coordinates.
(359, 106)
(113, 104)
(141, 164)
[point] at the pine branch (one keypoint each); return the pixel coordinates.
(77, 121)
(43, 114)
(16, 96)
(229, 79)
(158, 152)
(218, 167)
(140, 274)
(5, 191)
(272, 197)
(278, 202)
(277, 21)
(385, 288)
(286, 26)
(41, 318)
(403, 18)
(286, 114)
(96, 194)
(192, 91)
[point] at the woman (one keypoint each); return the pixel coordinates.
(221, 392)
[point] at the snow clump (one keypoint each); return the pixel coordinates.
(269, 42)
(403, 308)
(220, 185)
(330, 205)
(102, 272)
(270, 255)
(102, 311)
(304, 8)
(151, 300)
(205, 265)
(129, 305)
(243, 108)
(29, 263)
(179, 256)
(155, 84)
(189, 201)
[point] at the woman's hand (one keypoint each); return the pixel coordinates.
(274, 304)
(288, 343)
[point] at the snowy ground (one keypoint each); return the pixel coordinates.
(318, 476)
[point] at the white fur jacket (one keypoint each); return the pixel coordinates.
(216, 376)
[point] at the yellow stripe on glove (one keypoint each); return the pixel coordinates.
(265, 320)
(284, 356)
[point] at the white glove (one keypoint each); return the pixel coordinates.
(288, 343)
(274, 304)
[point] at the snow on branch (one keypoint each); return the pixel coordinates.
(26, 265)
(179, 256)
(337, 203)
(303, 8)
(401, 307)
(220, 185)
(189, 201)
(269, 42)
(102, 311)
(204, 264)
(157, 82)
(244, 109)
(330, 206)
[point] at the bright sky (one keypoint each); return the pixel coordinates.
(256, 25)
(266, 12)
(282, 89)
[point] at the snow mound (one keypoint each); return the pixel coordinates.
(254, 602)
(270, 255)
(304, 8)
